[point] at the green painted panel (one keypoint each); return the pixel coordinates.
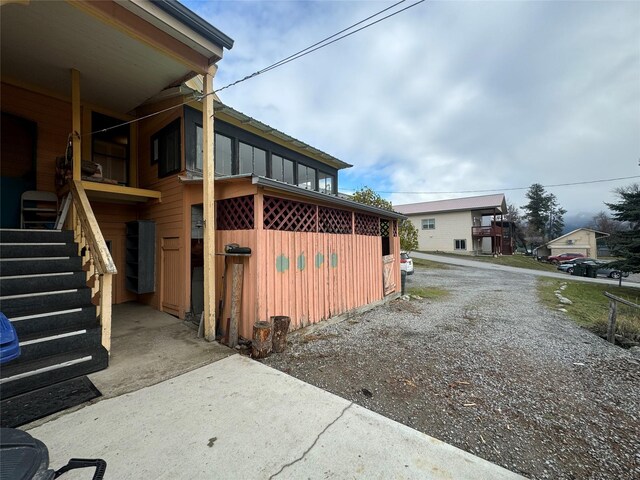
(334, 260)
(319, 260)
(282, 263)
(302, 262)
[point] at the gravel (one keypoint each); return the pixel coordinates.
(488, 369)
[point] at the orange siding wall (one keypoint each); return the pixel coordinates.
(53, 117)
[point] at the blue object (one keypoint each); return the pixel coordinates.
(9, 346)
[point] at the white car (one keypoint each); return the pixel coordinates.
(406, 263)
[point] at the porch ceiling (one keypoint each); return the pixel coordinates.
(41, 41)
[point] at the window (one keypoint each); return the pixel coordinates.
(460, 244)
(325, 182)
(252, 160)
(306, 177)
(428, 223)
(110, 149)
(223, 155)
(282, 169)
(165, 149)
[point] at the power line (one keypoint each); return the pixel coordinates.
(509, 189)
(295, 56)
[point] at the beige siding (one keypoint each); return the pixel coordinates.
(580, 241)
(449, 227)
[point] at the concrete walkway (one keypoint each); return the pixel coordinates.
(463, 262)
(237, 418)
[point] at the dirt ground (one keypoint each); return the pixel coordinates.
(487, 369)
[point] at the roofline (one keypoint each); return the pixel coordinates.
(329, 159)
(285, 187)
(602, 235)
(452, 210)
(195, 22)
(504, 200)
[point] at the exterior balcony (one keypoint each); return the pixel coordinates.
(491, 231)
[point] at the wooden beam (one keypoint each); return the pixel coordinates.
(208, 204)
(106, 284)
(76, 123)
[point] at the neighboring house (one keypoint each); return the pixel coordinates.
(581, 240)
(144, 196)
(470, 225)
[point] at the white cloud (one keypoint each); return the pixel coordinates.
(449, 96)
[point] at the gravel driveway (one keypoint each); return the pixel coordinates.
(488, 369)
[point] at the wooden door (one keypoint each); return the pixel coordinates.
(388, 277)
(171, 287)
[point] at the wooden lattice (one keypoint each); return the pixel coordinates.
(281, 214)
(331, 220)
(395, 228)
(367, 225)
(235, 213)
(384, 228)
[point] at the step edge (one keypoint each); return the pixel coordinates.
(46, 369)
(54, 337)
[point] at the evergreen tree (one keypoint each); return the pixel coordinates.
(625, 242)
(407, 231)
(556, 218)
(544, 216)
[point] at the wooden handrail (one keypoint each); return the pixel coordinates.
(102, 257)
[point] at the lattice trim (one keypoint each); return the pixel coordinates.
(235, 213)
(290, 216)
(384, 228)
(331, 220)
(395, 228)
(367, 225)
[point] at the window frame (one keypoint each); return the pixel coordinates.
(460, 244)
(161, 135)
(428, 224)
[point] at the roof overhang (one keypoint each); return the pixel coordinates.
(125, 51)
(280, 187)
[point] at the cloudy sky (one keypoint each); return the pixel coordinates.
(449, 96)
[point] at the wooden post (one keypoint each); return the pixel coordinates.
(611, 328)
(76, 123)
(262, 340)
(208, 192)
(236, 302)
(105, 309)
(280, 329)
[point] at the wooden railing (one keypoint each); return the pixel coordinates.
(486, 231)
(96, 258)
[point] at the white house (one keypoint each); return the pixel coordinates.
(470, 225)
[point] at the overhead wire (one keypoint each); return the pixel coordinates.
(510, 189)
(295, 56)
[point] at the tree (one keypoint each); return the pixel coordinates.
(517, 227)
(544, 216)
(407, 231)
(602, 222)
(625, 241)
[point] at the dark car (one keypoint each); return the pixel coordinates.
(564, 257)
(568, 265)
(604, 269)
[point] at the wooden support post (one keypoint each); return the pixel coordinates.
(105, 309)
(208, 174)
(76, 124)
(611, 328)
(236, 302)
(280, 329)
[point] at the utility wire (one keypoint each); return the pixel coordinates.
(295, 56)
(508, 189)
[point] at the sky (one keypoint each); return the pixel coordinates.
(448, 96)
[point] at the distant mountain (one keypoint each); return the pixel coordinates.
(578, 220)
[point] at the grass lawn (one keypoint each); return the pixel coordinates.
(590, 307)
(428, 263)
(431, 293)
(520, 261)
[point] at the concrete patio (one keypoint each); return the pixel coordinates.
(237, 418)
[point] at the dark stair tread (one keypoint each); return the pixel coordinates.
(79, 317)
(12, 369)
(30, 267)
(53, 332)
(43, 282)
(33, 235)
(44, 302)
(37, 249)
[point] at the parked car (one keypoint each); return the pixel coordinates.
(563, 257)
(611, 272)
(406, 263)
(568, 265)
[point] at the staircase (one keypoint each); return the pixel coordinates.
(43, 292)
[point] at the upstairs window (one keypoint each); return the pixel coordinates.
(428, 224)
(165, 149)
(282, 169)
(252, 160)
(325, 182)
(223, 155)
(110, 149)
(306, 177)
